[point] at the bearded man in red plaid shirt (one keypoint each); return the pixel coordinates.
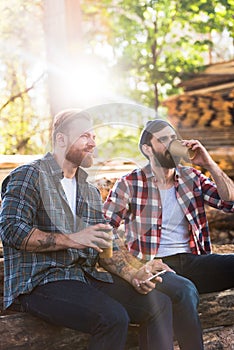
(162, 206)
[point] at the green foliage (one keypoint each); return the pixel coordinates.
(158, 42)
(22, 130)
(120, 145)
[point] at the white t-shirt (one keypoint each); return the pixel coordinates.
(174, 236)
(69, 186)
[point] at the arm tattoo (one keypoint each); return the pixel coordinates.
(48, 243)
(118, 265)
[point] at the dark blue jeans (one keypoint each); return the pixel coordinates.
(209, 273)
(104, 310)
(185, 299)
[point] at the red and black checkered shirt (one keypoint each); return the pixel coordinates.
(135, 199)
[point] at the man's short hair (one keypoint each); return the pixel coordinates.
(151, 127)
(63, 120)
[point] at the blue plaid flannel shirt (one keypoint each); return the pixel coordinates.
(33, 197)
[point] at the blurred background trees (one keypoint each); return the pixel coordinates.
(154, 43)
(23, 95)
(82, 53)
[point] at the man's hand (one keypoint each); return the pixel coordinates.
(97, 237)
(140, 281)
(157, 265)
(201, 157)
(225, 185)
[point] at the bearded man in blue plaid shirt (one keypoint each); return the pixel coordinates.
(52, 228)
(162, 207)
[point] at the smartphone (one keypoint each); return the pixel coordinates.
(156, 275)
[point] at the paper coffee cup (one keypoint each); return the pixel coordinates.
(177, 149)
(107, 252)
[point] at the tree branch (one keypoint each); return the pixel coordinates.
(12, 98)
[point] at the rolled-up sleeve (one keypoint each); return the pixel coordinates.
(211, 195)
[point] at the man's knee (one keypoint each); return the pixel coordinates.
(188, 292)
(114, 317)
(180, 289)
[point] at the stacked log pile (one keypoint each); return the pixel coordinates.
(212, 110)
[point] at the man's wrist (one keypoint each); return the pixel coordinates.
(212, 167)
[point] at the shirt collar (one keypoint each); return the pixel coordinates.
(149, 172)
(81, 175)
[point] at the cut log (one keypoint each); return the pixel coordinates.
(219, 222)
(23, 331)
(215, 339)
(217, 309)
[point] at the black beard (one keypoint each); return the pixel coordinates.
(165, 160)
